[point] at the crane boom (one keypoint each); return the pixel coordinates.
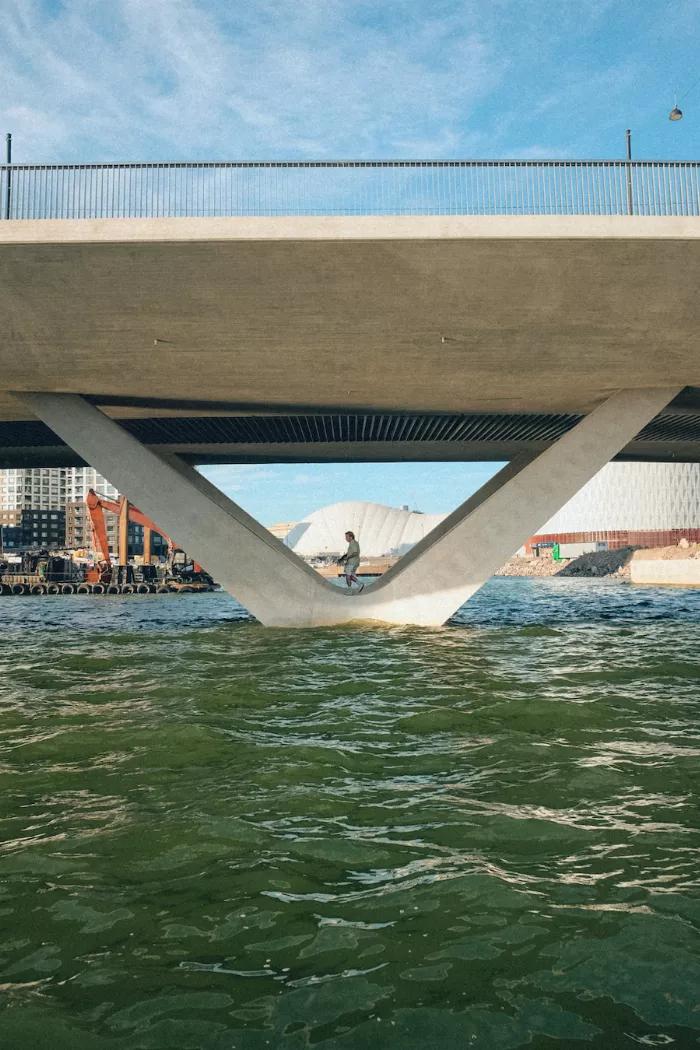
(135, 515)
(97, 520)
(96, 507)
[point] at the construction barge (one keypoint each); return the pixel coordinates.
(43, 572)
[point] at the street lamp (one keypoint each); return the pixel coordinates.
(675, 114)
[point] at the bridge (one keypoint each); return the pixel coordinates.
(157, 316)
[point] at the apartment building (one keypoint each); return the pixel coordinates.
(45, 491)
(43, 529)
(48, 488)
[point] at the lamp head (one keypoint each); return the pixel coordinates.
(675, 114)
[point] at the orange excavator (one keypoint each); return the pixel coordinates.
(180, 574)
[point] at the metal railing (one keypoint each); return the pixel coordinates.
(508, 187)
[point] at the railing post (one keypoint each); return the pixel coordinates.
(8, 198)
(630, 199)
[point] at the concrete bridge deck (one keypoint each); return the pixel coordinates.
(361, 337)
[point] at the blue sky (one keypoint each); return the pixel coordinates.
(84, 80)
(288, 492)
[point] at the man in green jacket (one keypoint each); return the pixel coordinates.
(351, 560)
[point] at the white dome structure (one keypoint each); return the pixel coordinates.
(379, 530)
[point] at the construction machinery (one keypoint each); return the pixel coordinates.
(179, 573)
(50, 572)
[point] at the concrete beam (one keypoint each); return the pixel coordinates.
(265, 576)
(349, 228)
(361, 452)
(449, 565)
(660, 572)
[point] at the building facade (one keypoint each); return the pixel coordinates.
(46, 491)
(10, 539)
(43, 529)
(281, 529)
(49, 488)
(630, 504)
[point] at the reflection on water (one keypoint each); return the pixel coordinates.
(218, 836)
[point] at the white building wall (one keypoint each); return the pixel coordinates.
(11, 489)
(41, 488)
(633, 496)
(79, 480)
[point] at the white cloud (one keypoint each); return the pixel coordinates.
(269, 79)
(180, 78)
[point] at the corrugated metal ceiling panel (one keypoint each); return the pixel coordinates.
(353, 428)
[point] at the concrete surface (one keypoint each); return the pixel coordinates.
(454, 314)
(426, 587)
(661, 572)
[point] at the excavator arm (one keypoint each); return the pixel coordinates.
(97, 520)
(126, 511)
(135, 515)
(139, 518)
(96, 507)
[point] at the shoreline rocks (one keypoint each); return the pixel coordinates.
(614, 563)
(611, 563)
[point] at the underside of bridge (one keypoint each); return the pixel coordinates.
(206, 433)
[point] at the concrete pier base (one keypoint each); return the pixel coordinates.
(426, 587)
(662, 572)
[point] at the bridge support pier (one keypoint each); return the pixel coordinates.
(426, 587)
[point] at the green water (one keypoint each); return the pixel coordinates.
(219, 836)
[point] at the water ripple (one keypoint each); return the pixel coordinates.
(217, 836)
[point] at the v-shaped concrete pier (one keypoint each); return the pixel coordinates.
(426, 587)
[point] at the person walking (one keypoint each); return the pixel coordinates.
(351, 560)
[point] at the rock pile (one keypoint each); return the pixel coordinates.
(529, 567)
(601, 563)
